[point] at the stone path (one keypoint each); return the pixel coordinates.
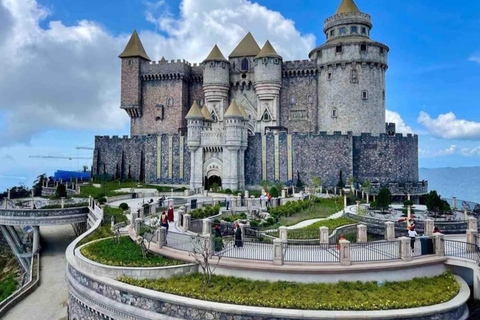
(312, 221)
(49, 300)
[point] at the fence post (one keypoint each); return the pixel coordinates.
(161, 237)
(277, 252)
(405, 250)
(207, 227)
(465, 214)
(207, 241)
(361, 233)
(439, 244)
(345, 253)
(472, 239)
(428, 227)
(472, 223)
(249, 204)
(283, 234)
(344, 202)
(454, 203)
(186, 222)
(242, 229)
(324, 235)
(138, 224)
(389, 231)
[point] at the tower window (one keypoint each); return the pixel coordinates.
(354, 76)
(338, 49)
(332, 33)
(245, 64)
(353, 30)
(363, 30)
(329, 76)
(364, 95)
(169, 102)
(383, 94)
(266, 117)
(343, 30)
(129, 62)
(363, 47)
(382, 51)
(214, 117)
(334, 113)
(276, 61)
(265, 60)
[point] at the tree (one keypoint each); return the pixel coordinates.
(274, 192)
(203, 253)
(146, 235)
(61, 191)
(341, 183)
(265, 184)
(85, 169)
(316, 182)
(38, 185)
(384, 198)
(436, 204)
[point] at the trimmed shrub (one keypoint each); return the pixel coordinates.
(123, 206)
(228, 191)
(274, 192)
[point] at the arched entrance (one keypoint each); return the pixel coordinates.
(210, 181)
(213, 173)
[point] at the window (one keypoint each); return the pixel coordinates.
(129, 62)
(332, 33)
(383, 94)
(354, 76)
(334, 113)
(382, 51)
(276, 61)
(338, 49)
(363, 30)
(214, 117)
(293, 100)
(343, 30)
(160, 112)
(201, 103)
(233, 66)
(169, 102)
(364, 95)
(363, 47)
(329, 76)
(265, 60)
(266, 116)
(353, 30)
(245, 64)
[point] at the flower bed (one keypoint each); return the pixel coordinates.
(352, 296)
(125, 253)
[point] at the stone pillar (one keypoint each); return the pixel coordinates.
(358, 207)
(374, 198)
(472, 240)
(63, 202)
(208, 243)
(161, 237)
(454, 203)
(405, 250)
(249, 204)
(8, 194)
(472, 223)
(344, 202)
(465, 214)
(327, 191)
(429, 226)
(233, 203)
(409, 214)
(408, 197)
(247, 194)
(283, 234)
(186, 222)
(345, 253)
(439, 244)
(284, 194)
(138, 225)
(277, 252)
(335, 190)
(389, 231)
(242, 229)
(90, 202)
(324, 235)
(207, 227)
(361, 233)
(36, 239)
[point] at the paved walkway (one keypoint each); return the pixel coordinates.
(312, 221)
(49, 300)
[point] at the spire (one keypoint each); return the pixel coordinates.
(268, 51)
(194, 113)
(233, 111)
(215, 55)
(134, 48)
(206, 114)
(248, 47)
(243, 112)
(347, 6)
(163, 60)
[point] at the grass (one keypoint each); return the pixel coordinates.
(125, 253)
(322, 209)
(418, 292)
(313, 231)
(105, 230)
(107, 189)
(7, 287)
(8, 271)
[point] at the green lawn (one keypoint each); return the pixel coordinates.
(125, 253)
(313, 231)
(418, 292)
(105, 230)
(322, 209)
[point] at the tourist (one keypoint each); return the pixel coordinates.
(269, 199)
(164, 222)
(227, 201)
(238, 236)
(170, 213)
(217, 238)
(412, 234)
(436, 230)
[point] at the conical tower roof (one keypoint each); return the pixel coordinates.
(268, 52)
(163, 60)
(134, 48)
(233, 111)
(215, 55)
(248, 47)
(242, 111)
(194, 112)
(206, 114)
(347, 6)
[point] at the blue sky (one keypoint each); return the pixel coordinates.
(61, 84)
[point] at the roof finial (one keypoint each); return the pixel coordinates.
(215, 55)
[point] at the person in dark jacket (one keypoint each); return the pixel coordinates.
(238, 236)
(170, 213)
(164, 222)
(217, 238)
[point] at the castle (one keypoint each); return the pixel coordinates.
(255, 117)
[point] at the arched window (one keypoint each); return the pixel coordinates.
(245, 64)
(354, 76)
(214, 116)
(266, 116)
(169, 102)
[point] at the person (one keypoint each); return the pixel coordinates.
(217, 238)
(238, 236)
(412, 234)
(227, 201)
(436, 230)
(164, 222)
(160, 203)
(170, 213)
(269, 199)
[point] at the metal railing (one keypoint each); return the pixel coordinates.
(375, 251)
(196, 226)
(180, 241)
(249, 251)
(304, 252)
(460, 249)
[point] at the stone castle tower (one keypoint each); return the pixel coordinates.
(256, 117)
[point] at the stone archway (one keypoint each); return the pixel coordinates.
(213, 169)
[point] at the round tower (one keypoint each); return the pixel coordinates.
(352, 67)
(268, 82)
(195, 120)
(233, 151)
(216, 82)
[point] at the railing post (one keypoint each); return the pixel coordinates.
(207, 241)
(324, 235)
(465, 214)
(277, 252)
(344, 202)
(283, 234)
(428, 223)
(472, 240)
(249, 204)
(142, 212)
(405, 250)
(361, 233)
(207, 227)
(358, 207)
(186, 222)
(389, 231)
(472, 223)
(242, 229)
(138, 225)
(345, 253)
(63, 203)
(161, 237)
(439, 244)
(454, 203)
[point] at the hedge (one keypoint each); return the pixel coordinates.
(205, 212)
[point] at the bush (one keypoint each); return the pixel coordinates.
(61, 191)
(205, 212)
(254, 224)
(123, 206)
(373, 205)
(228, 191)
(274, 192)
(102, 200)
(215, 187)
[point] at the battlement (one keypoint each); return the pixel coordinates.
(181, 67)
(351, 17)
(298, 64)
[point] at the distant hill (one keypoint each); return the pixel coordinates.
(464, 183)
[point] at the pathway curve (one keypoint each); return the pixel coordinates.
(49, 300)
(306, 223)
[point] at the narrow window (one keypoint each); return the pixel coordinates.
(329, 76)
(365, 95)
(201, 102)
(266, 116)
(354, 76)
(382, 50)
(244, 64)
(169, 102)
(265, 60)
(353, 30)
(334, 113)
(310, 99)
(214, 117)
(129, 62)
(364, 30)
(343, 30)
(339, 49)
(363, 47)
(383, 94)
(332, 33)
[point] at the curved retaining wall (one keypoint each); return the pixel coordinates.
(39, 217)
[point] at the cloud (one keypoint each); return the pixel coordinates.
(67, 77)
(7, 157)
(401, 126)
(475, 57)
(470, 152)
(447, 126)
(447, 152)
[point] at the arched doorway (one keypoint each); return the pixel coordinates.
(210, 181)
(213, 173)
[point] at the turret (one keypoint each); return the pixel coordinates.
(216, 82)
(268, 82)
(195, 120)
(233, 153)
(132, 57)
(352, 74)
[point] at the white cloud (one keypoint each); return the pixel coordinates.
(447, 126)
(475, 57)
(447, 152)
(67, 77)
(401, 126)
(470, 152)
